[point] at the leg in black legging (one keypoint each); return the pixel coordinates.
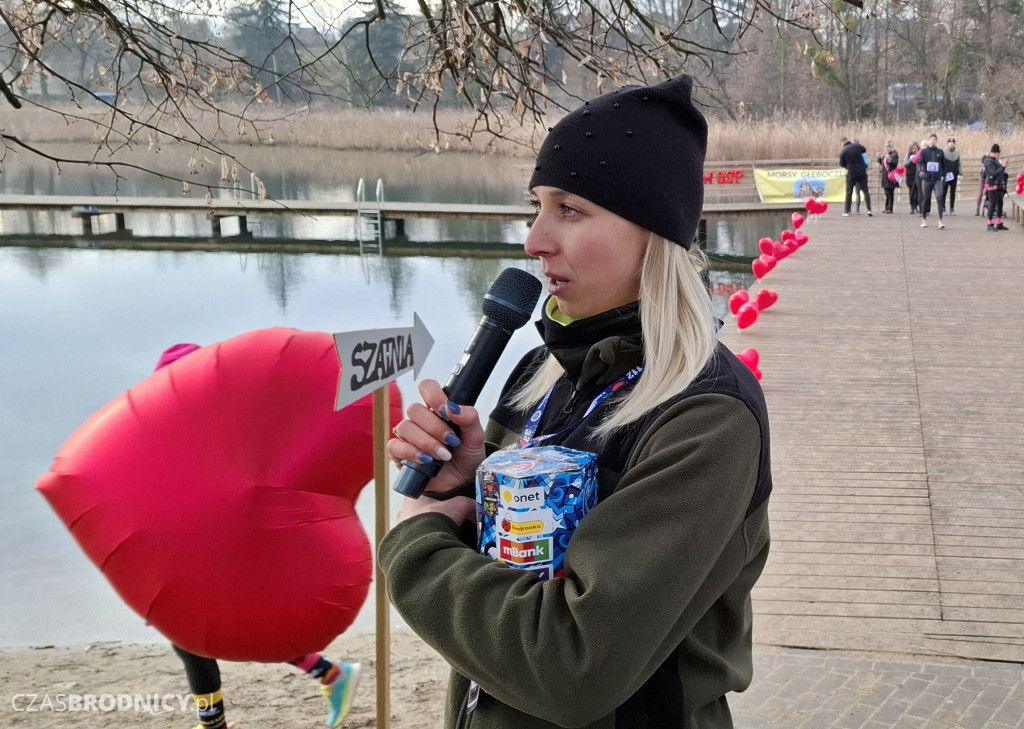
(862, 184)
(203, 676)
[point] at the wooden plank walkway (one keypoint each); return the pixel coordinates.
(893, 367)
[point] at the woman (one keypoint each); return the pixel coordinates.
(995, 187)
(911, 165)
(651, 623)
(888, 161)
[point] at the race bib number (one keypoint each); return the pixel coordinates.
(932, 166)
(949, 177)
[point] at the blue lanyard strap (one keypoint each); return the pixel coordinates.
(527, 439)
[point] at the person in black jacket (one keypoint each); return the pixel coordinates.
(952, 174)
(931, 173)
(888, 161)
(995, 187)
(647, 621)
(853, 159)
(911, 177)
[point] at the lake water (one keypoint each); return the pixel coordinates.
(79, 325)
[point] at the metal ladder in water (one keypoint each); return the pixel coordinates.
(369, 219)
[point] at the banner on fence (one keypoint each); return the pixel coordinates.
(787, 185)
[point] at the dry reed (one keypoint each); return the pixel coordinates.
(391, 130)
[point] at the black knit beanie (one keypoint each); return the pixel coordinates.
(995, 149)
(638, 152)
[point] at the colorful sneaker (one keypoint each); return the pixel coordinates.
(339, 694)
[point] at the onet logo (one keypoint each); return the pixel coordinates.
(525, 552)
(523, 497)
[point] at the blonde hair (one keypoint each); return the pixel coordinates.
(678, 323)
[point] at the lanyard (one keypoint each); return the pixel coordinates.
(527, 439)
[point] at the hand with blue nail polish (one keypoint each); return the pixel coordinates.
(427, 430)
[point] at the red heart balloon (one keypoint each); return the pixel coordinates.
(822, 207)
(766, 245)
(762, 265)
(231, 464)
(750, 357)
(800, 238)
(738, 299)
(787, 234)
(746, 316)
(779, 251)
(797, 219)
(810, 204)
(765, 298)
(791, 247)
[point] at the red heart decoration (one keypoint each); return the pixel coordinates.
(747, 315)
(230, 459)
(797, 219)
(750, 357)
(800, 238)
(765, 298)
(791, 247)
(762, 265)
(810, 204)
(779, 251)
(822, 207)
(787, 234)
(738, 299)
(766, 246)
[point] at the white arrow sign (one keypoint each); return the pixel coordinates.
(374, 357)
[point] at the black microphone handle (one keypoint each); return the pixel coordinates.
(463, 388)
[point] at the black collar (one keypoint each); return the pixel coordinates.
(596, 350)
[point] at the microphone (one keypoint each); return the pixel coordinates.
(507, 306)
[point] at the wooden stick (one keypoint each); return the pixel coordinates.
(382, 509)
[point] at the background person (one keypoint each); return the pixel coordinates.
(888, 161)
(952, 155)
(651, 623)
(914, 191)
(853, 159)
(931, 173)
(996, 179)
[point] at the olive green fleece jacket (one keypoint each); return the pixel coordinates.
(655, 602)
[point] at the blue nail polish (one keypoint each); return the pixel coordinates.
(443, 414)
(453, 407)
(452, 440)
(424, 458)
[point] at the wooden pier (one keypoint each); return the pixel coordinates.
(87, 208)
(893, 366)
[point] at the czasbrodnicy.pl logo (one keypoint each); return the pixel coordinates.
(142, 703)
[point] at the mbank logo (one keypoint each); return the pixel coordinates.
(525, 552)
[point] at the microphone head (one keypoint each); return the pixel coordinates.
(512, 297)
